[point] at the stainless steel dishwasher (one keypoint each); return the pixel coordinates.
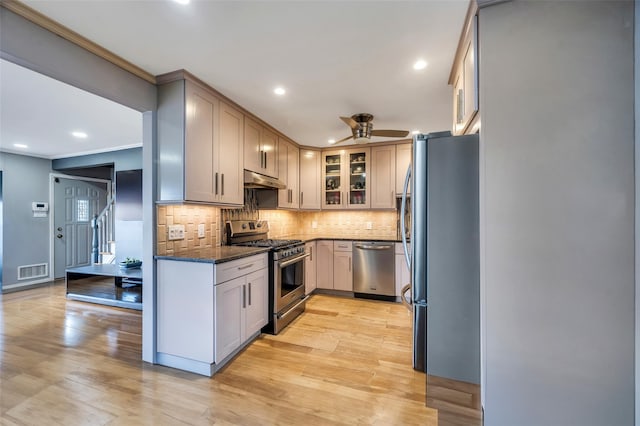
(374, 269)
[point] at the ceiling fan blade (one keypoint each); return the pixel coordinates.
(350, 122)
(390, 133)
(342, 140)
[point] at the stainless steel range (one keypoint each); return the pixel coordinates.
(286, 270)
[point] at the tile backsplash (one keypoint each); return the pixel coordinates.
(351, 223)
(285, 223)
(282, 224)
(190, 216)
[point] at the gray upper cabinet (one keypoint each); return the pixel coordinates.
(200, 154)
(288, 161)
(260, 154)
(383, 177)
(403, 161)
(464, 77)
(310, 179)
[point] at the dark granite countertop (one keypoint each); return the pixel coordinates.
(342, 237)
(216, 254)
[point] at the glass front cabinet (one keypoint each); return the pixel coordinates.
(345, 179)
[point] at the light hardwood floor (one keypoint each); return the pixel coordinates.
(345, 361)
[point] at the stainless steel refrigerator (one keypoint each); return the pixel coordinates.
(444, 257)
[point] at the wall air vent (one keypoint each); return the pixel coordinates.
(29, 272)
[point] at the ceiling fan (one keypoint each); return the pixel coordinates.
(362, 129)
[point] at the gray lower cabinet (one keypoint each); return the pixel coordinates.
(207, 312)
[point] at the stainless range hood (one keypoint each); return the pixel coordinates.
(256, 180)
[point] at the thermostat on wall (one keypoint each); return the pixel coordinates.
(40, 209)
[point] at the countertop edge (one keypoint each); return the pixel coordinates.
(220, 258)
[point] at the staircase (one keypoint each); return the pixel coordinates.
(103, 247)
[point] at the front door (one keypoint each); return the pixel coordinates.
(75, 203)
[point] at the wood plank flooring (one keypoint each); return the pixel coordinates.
(344, 362)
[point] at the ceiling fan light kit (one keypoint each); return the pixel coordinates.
(362, 129)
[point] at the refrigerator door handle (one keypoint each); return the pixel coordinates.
(403, 299)
(403, 211)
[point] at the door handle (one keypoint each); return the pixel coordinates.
(249, 294)
(244, 296)
(216, 183)
(222, 182)
(59, 235)
(403, 210)
(403, 299)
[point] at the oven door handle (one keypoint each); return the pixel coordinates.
(293, 308)
(288, 262)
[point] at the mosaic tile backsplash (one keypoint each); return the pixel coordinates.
(189, 216)
(282, 223)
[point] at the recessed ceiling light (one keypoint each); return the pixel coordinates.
(420, 65)
(415, 132)
(331, 141)
(279, 91)
(182, 1)
(79, 135)
(20, 145)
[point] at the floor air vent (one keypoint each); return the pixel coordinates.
(28, 272)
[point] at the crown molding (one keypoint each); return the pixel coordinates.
(49, 24)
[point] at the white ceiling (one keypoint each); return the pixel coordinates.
(333, 57)
(41, 113)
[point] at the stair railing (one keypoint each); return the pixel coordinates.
(103, 226)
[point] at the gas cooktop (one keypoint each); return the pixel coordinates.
(269, 243)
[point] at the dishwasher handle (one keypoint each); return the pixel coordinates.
(370, 247)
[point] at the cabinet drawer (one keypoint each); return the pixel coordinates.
(236, 268)
(400, 249)
(342, 245)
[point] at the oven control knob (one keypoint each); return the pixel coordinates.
(259, 225)
(244, 226)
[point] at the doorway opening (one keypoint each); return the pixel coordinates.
(75, 201)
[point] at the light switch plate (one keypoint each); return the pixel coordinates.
(201, 230)
(369, 225)
(176, 232)
(314, 224)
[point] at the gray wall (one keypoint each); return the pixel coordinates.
(25, 238)
(557, 212)
(124, 159)
(1, 227)
(637, 205)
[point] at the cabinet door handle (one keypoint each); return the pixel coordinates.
(311, 253)
(301, 198)
(244, 296)
(261, 159)
(265, 159)
(393, 196)
(216, 183)
(249, 294)
(240, 268)
(222, 179)
(349, 264)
